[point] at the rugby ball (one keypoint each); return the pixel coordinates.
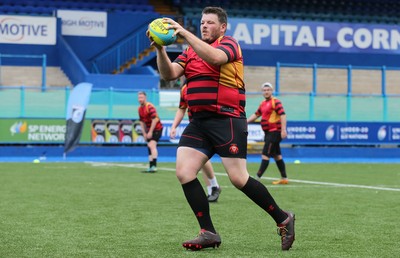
(160, 34)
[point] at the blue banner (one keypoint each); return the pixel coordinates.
(332, 133)
(76, 110)
(261, 34)
(320, 133)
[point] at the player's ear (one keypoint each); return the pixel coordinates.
(224, 27)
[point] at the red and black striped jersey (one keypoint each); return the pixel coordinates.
(183, 100)
(215, 89)
(147, 113)
(270, 111)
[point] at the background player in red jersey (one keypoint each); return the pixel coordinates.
(273, 123)
(151, 128)
(213, 68)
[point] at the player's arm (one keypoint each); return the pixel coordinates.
(252, 118)
(205, 51)
(283, 124)
(211, 55)
(180, 113)
(154, 122)
(167, 69)
(143, 126)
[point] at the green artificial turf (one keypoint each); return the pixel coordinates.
(115, 210)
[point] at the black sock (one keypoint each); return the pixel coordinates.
(150, 163)
(197, 200)
(282, 168)
(155, 162)
(259, 194)
(263, 166)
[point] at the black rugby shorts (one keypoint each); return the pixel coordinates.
(225, 136)
(272, 144)
(156, 135)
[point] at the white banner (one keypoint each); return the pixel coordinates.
(82, 23)
(28, 30)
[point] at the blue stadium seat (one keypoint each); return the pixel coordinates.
(367, 11)
(28, 6)
(8, 9)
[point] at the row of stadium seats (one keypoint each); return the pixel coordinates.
(383, 12)
(28, 10)
(47, 2)
(48, 7)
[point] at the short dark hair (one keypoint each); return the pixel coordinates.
(141, 92)
(221, 13)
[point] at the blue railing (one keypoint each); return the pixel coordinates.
(129, 48)
(389, 104)
(70, 63)
(28, 102)
(349, 68)
(44, 64)
(313, 105)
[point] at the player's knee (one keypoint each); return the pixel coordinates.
(180, 177)
(239, 180)
(265, 157)
(184, 177)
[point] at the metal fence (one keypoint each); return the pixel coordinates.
(44, 64)
(51, 102)
(31, 102)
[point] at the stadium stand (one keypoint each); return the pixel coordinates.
(48, 7)
(370, 11)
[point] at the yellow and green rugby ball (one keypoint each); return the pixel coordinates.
(160, 34)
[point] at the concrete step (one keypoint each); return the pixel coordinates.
(32, 76)
(334, 81)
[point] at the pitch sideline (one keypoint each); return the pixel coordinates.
(143, 165)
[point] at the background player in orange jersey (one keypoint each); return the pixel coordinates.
(273, 123)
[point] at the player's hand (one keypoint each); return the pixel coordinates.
(144, 136)
(179, 30)
(283, 134)
(149, 135)
(172, 134)
(152, 42)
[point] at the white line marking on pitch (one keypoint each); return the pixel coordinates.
(330, 184)
(142, 165)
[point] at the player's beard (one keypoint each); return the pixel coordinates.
(211, 38)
